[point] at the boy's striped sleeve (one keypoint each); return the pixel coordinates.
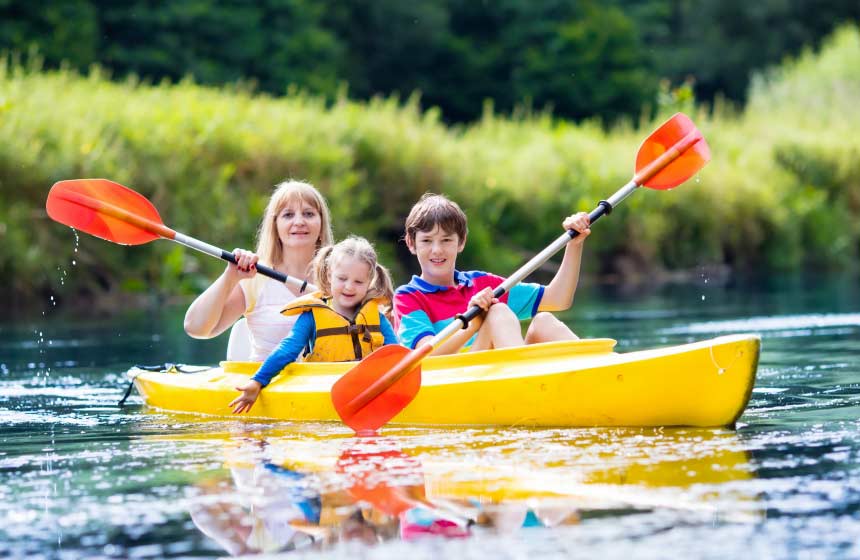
(524, 299)
(413, 323)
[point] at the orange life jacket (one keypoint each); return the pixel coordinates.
(339, 339)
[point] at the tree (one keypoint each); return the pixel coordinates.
(60, 30)
(591, 63)
(274, 42)
(721, 42)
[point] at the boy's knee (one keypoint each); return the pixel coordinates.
(501, 313)
(546, 327)
(544, 320)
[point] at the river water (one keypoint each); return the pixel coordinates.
(82, 477)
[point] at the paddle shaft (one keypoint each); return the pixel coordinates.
(603, 207)
(409, 361)
(162, 230)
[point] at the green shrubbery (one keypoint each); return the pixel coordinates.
(782, 191)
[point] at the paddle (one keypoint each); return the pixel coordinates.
(381, 385)
(379, 472)
(116, 213)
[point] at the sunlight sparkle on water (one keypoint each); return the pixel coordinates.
(82, 477)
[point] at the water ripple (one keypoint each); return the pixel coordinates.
(795, 325)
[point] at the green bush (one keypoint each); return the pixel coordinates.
(782, 191)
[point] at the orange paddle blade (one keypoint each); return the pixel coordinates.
(388, 403)
(679, 131)
(107, 210)
(379, 473)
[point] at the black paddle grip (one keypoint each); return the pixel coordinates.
(262, 269)
(475, 311)
(469, 315)
(603, 208)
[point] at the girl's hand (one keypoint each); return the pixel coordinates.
(246, 264)
(483, 299)
(246, 400)
(578, 222)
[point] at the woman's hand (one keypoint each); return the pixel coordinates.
(578, 222)
(246, 264)
(246, 400)
(483, 299)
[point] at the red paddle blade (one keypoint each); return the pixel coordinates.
(388, 403)
(679, 131)
(379, 473)
(107, 210)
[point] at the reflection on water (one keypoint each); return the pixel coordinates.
(282, 490)
(260, 507)
(375, 492)
(80, 477)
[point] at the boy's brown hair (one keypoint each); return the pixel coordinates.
(436, 209)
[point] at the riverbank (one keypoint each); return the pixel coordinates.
(781, 193)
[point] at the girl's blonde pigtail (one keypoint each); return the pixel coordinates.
(383, 288)
(322, 264)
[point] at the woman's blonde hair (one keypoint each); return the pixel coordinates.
(268, 243)
(360, 249)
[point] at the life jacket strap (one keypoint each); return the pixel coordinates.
(353, 329)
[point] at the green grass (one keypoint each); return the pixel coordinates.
(782, 192)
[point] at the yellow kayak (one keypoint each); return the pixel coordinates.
(570, 383)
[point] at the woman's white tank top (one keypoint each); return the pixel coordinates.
(264, 299)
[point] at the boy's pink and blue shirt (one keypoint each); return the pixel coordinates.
(422, 308)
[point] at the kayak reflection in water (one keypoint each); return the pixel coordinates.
(377, 472)
(267, 508)
(374, 492)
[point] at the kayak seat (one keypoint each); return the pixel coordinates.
(239, 344)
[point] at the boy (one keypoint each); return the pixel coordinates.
(435, 233)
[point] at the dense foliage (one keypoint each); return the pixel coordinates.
(781, 193)
(583, 58)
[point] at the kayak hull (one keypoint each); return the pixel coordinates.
(566, 384)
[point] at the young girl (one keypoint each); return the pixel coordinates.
(344, 321)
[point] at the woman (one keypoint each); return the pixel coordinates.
(296, 224)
